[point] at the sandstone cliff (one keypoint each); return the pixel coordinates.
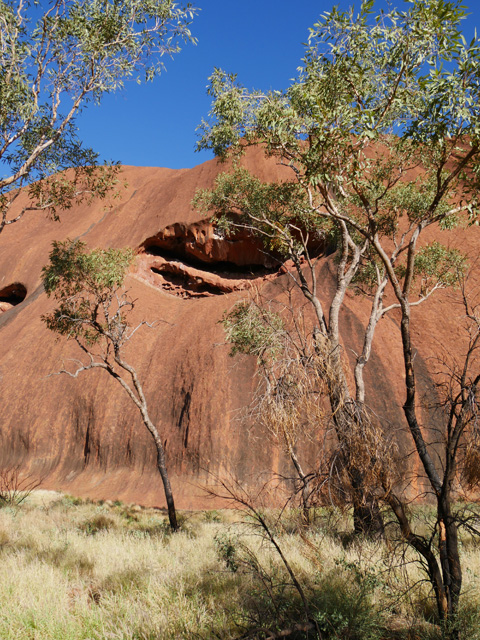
(84, 436)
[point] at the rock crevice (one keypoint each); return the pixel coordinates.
(194, 261)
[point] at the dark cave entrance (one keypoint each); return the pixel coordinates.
(13, 294)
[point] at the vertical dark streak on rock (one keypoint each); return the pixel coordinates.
(185, 413)
(86, 448)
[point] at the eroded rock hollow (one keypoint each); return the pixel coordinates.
(196, 260)
(12, 295)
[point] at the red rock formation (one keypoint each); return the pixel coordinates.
(84, 436)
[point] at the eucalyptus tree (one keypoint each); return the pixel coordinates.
(55, 58)
(381, 133)
(93, 310)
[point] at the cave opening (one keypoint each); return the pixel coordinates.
(193, 262)
(13, 294)
(225, 269)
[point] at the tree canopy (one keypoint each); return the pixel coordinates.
(56, 59)
(381, 133)
(85, 284)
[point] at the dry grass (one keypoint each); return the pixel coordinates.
(77, 571)
(85, 571)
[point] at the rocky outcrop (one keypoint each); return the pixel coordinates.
(84, 436)
(203, 242)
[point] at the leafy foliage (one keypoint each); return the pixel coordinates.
(367, 81)
(253, 330)
(85, 283)
(437, 265)
(273, 211)
(52, 64)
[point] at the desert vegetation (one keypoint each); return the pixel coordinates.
(381, 135)
(74, 569)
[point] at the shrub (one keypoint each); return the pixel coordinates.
(344, 606)
(99, 522)
(227, 550)
(15, 489)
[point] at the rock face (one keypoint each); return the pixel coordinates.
(84, 436)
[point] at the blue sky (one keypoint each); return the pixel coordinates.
(260, 40)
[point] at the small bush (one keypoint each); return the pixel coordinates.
(99, 522)
(227, 551)
(212, 516)
(15, 488)
(466, 623)
(152, 528)
(69, 501)
(128, 514)
(344, 607)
